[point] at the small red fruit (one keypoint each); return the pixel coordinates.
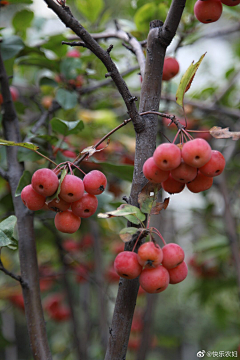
(149, 254)
(173, 255)
(57, 206)
(45, 182)
(167, 156)
(215, 165)
(154, 280)
(67, 222)
(200, 183)
(173, 186)
(170, 68)
(153, 173)
(178, 274)
(184, 173)
(86, 206)
(95, 182)
(72, 188)
(74, 53)
(196, 152)
(126, 265)
(207, 11)
(32, 199)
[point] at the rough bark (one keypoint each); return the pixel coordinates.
(27, 247)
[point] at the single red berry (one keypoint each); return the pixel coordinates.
(173, 255)
(207, 11)
(126, 265)
(71, 245)
(154, 280)
(31, 199)
(173, 186)
(215, 165)
(200, 183)
(178, 274)
(95, 182)
(72, 188)
(170, 68)
(73, 53)
(184, 173)
(58, 206)
(86, 206)
(67, 222)
(196, 152)
(45, 182)
(14, 93)
(167, 156)
(149, 254)
(153, 173)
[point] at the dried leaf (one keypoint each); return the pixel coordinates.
(130, 212)
(146, 198)
(220, 133)
(159, 206)
(127, 233)
(91, 149)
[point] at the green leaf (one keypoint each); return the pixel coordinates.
(26, 155)
(47, 81)
(124, 172)
(90, 8)
(67, 99)
(147, 13)
(6, 231)
(127, 233)
(11, 46)
(130, 212)
(67, 127)
(55, 196)
(54, 43)
(24, 181)
(186, 80)
(22, 20)
(40, 61)
(69, 67)
(25, 145)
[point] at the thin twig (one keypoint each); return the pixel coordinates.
(13, 276)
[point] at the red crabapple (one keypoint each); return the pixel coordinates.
(126, 265)
(154, 280)
(153, 173)
(95, 182)
(170, 68)
(58, 206)
(86, 206)
(149, 254)
(215, 165)
(200, 183)
(184, 173)
(67, 222)
(230, 2)
(172, 186)
(178, 274)
(45, 182)
(72, 188)
(207, 11)
(14, 93)
(173, 255)
(73, 53)
(167, 156)
(196, 152)
(32, 199)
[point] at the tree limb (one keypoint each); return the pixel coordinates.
(27, 248)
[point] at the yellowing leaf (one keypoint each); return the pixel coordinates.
(186, 80)
(25, 145)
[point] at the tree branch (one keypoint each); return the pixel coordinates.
(104, 56)
(27, 248)
(13, 276)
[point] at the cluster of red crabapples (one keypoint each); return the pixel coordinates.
(194, 165)
(156, 267)
(78, 194)
(207, 11)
